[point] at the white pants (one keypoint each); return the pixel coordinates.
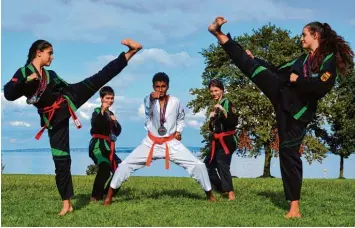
(178, 153)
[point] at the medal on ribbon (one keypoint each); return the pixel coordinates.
(162, 130)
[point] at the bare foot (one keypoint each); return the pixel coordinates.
(131, 44)
(107, 202)
(210, 196)
(294, 211)
(215, 27)
(291, 215)
(231, 195)
(65, 210)
(110, 193)
(67, 207)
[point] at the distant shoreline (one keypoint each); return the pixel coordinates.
(82, 149)
(194, 149)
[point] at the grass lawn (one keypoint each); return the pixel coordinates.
(33, 200)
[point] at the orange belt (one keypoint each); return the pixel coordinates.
(50, 110)
(220, 138)
(159, 141)
(112, 149)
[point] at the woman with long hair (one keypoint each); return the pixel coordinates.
(57, 101)
(294, 89)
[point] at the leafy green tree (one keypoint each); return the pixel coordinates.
(257, 124)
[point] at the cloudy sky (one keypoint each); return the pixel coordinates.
(86, 35)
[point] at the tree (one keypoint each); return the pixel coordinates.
(257, 125)
(338, 128)
(92, 169)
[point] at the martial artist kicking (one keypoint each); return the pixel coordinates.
(56, 101)
(294, 89)
(164, 123)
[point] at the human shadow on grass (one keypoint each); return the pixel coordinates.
(277, 198)
(127, 194)
(175, 193)
(81, 201)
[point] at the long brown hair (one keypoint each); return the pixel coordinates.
(331, 42)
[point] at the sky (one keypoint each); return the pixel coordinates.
(86, 35)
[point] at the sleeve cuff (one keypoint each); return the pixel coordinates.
(228, 44)
(299, 81)
(122, 59)
(179, 129)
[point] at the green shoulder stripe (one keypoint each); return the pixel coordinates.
(97, 110)
(325, 60)
(288, 64)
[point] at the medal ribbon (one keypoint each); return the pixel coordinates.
(162, 113)
(307, 66)
(41, 87)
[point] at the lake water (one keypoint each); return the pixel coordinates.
(39, 161)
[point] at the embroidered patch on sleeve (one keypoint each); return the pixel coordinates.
(325, 76)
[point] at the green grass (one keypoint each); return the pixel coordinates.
(33, 200)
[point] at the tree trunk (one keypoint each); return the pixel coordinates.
(341, 173)
(267, 162)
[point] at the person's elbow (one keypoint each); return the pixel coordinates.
(10, 95)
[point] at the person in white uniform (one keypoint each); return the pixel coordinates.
(164, 122)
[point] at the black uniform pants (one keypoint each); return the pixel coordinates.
(99, 152)
(291, 131)
(219, 170)
(78, 93)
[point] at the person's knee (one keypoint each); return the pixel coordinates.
(121, 174)
(200, 166)
(126, 167)
(62, 167)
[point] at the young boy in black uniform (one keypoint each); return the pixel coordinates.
(56, 101)
(104, 130)
(294, 90)
(223, 122)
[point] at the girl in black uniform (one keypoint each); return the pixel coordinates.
(294, 89)
(223, 121)
(104, 130)
(56, 101)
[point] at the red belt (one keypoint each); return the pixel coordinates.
(112, 149)
(159, 141)
(220, 137)
(50, 110)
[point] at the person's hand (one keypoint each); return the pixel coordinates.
(249, 53)
(219, 106)
(293, 77)
(32, 77)
(178, 136)
(155, 95)
(113, 117)
(104, 107)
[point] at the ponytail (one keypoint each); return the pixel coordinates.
(331, 42)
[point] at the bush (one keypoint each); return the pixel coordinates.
(92, 169)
